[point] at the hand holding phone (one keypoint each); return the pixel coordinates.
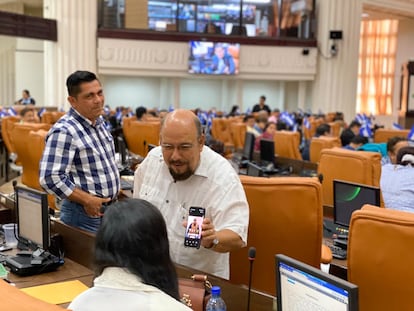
(193, 230)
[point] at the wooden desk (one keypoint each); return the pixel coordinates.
(70, 270)
(79, 247)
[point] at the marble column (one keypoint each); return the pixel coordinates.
(335, 86)
(75, 49)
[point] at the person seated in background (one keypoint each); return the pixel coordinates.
(26, 99)
(28, 115)
(132, 262)
(350, 132)
(212, 28)
(274, 116)
(235, 111)
(322, 130)
(394, 144)
(250, 122)
(397, 181)
(356, 142)
(268, 133)
(141, 113)
(222, 61)
(261, 105)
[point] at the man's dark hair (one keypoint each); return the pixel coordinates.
(263, 97)
(133, 235)
(354, 123)
(322, 129)
(358, 139)
(140, 111)
(393, 141)
(25, 110)
(74, 81)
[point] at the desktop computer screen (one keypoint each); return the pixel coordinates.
(267, 151)
(249, 139)
(349, 197)
(303, 287)
(32, 218)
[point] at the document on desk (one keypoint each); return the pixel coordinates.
(57, 293)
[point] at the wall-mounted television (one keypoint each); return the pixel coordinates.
(213, 58)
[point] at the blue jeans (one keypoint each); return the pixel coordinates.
(74, 215)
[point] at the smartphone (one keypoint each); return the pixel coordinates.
(193, 230)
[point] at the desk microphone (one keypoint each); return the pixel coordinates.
(252, 257)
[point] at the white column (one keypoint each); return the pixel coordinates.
(335, 87)
(75, 49)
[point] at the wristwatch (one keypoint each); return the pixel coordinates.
(214, 243)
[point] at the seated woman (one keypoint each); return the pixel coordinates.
(132, 261)
(397, 181)
(268, 133)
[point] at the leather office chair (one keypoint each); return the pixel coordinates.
(380, 258)
(51, 117)
(336, 128)
(361, 167)
(238, 133)
(285, 217)
(138, 135)
(382, 135)
(287, 144)
(317, 144)
(7, 124)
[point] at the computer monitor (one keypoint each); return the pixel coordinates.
(302, 287)
(32, 218)
(349, 197)
(249, 139)
(267, 151)
(122, 150)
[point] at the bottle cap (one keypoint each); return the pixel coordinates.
(215, 290)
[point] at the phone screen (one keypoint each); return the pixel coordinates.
(193, 230)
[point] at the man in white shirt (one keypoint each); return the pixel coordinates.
(183, 172)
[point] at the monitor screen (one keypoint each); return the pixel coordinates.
(267, 151)
(213, 58)
(349, 197)
(122, 150)
(303, 287)
(32, 217)
(248, 146)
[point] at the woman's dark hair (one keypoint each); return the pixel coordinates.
(74, 81)
(133, 235)
(407, 160)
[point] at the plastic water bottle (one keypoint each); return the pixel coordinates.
(215, 303)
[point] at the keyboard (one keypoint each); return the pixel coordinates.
(338, 252)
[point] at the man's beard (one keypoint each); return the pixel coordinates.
(181, 176)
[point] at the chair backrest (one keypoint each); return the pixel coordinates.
(138, 135)
(336, 128)
(286, 218)
(382, 135)
(51, 117)
(361, 167)
(287, 144)
(7, 124)
(380, 258)
(317, 144)
(238, 133)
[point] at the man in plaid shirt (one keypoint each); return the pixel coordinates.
(78, 164)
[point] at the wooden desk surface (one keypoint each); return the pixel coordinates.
(70, 270)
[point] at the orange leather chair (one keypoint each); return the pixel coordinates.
(286, 218)
(7, 124)
(238, 133)
(287, 144)
(30, 157)
(361, 167)
(382, 135)
(336, 128)
(138, 135)
(317, 144)
(221, 130)
(51, 117)
(380, 258)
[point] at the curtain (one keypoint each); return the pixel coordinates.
(376, 70)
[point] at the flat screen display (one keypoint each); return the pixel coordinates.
(349, 197)
(32, 217)
(303, 287)
(213, 58)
